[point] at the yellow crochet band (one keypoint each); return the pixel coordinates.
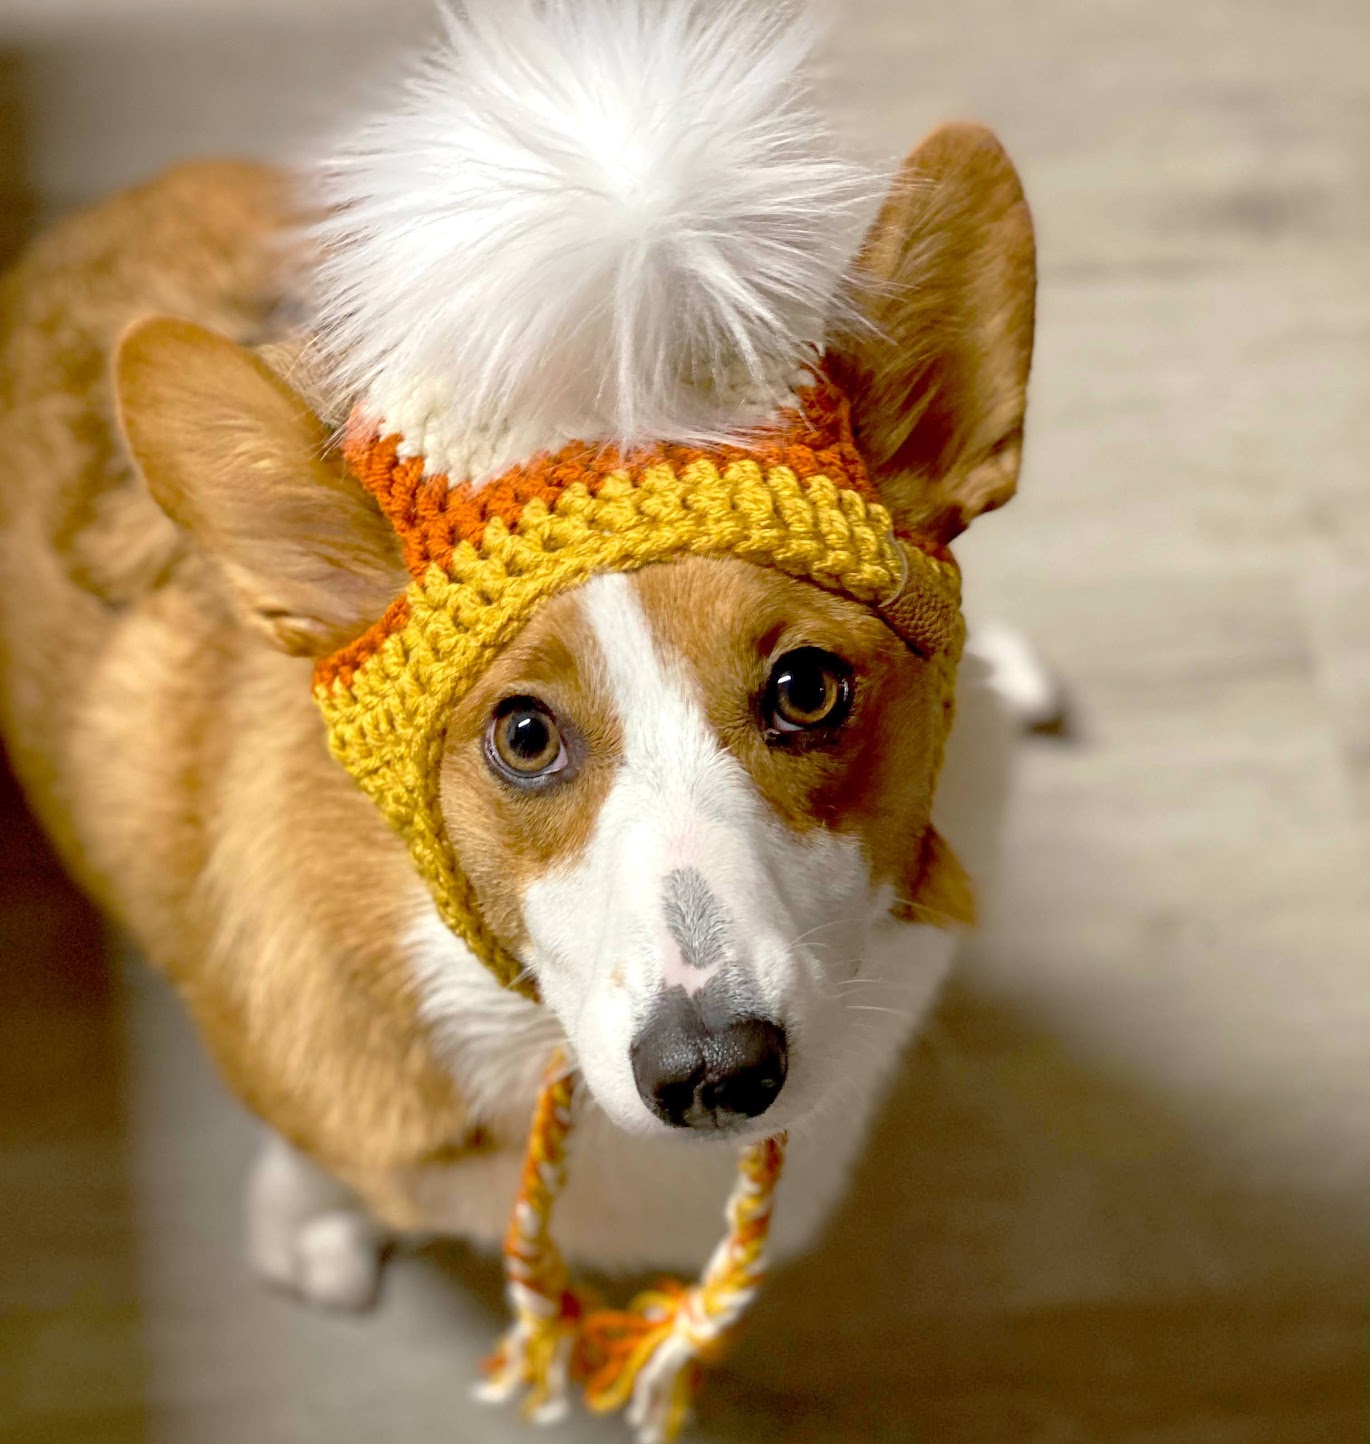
(482, 561)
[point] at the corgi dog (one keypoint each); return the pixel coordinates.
(689, 811)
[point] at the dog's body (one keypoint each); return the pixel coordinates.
(180, 764)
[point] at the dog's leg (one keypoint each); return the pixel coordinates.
(308, 1234)
(1014, 671)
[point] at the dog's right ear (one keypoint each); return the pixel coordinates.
(238, 459)
(937, 372)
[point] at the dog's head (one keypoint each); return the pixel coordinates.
(682, 795)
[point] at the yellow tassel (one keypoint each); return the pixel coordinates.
(649, 1356)
(535, 1354)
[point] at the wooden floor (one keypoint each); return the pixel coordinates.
(1120, 1194)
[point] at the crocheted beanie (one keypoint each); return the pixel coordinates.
(482, 559)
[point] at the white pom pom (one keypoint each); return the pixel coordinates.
(617, 219)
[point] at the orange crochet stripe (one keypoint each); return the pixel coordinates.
(432, 517)
(344, 662)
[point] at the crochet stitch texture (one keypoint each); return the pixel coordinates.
(482, 559)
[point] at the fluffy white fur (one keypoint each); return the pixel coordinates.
(610, 219)
(495, 1041)
(306, 1234)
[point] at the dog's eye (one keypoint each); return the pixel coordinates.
(808, 688)
(523, 740)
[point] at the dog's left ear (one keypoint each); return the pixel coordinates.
(937, 377)
(940, 892)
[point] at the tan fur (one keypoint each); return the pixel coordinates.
(873, 781)
(939, 381)
(874, 778)
(178, 761)
(177, 758)
(504, 836)
(241, 462)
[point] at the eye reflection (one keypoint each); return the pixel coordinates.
(523, 741)
(808, 689)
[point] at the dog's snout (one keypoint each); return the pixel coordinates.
(694, 1075)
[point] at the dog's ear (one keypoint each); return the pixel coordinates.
(945, 282)
(238, 459)
(940, 892)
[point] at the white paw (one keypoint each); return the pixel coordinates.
(1019, 677)
(307, 1236)
(338, 1261)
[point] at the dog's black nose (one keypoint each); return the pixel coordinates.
(694, 1075)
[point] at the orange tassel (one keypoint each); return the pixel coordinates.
(613, 1345)
(649, 1356)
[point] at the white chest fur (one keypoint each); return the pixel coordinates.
(635, 1201)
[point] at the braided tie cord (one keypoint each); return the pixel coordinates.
(649, 1356)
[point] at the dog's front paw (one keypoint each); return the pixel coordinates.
(1015, 672)
(307, 1236)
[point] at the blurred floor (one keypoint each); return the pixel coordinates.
(1120, 1193)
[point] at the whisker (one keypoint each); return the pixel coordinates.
(817, 928)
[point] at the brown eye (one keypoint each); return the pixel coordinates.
(808, 688)
(523, 741)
